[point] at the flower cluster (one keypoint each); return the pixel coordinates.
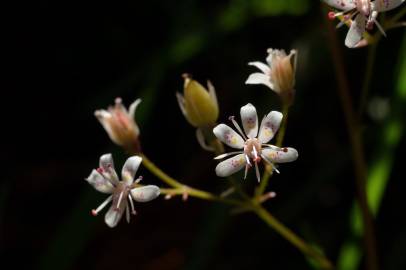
(105, 180)
(365, 13)
(252, 143)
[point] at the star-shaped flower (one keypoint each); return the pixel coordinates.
(252, 144)
(278, 73)
(365, 12)
(105, 180)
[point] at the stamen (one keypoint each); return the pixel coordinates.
(380, 27)
(257, 158)
(331, 15)
(257, 173)
(231, 118)
(127, 214)
(119, 201)
(101, 206)
(132, 205)
(246, 171)
(248, 160)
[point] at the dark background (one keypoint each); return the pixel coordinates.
(66, 59)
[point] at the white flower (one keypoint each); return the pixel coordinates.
(278, 73)
(120, 124)
(365, 12)
(105, 180)
(253, 144)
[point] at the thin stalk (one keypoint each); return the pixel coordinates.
(368, 76)
(354, 134)
(290, 236)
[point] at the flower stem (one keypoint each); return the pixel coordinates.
(360, 166)
(179, 188)
(290, 236)
(368, 75)
(279, 140)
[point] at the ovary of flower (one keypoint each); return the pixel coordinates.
(278, 73)
(120, 124)
(365, 13)
(252, 143)
(105, 180)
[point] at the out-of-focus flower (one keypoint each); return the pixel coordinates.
(278, 74)
(253, 144)
(105, 180)
(120, 124)
(198, 105)
(365, 12)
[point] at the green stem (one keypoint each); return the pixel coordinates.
(290, 236)
(368, 76)
(354, 133)
(179, 188)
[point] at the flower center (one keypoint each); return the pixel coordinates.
(252, 149)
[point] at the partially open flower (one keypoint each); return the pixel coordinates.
(278, 73)
(120, 124)
(252, 144)
(105, 180)
(198, 105)
(365, 13)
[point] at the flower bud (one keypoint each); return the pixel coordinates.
(198, 105)
(278, 73)
(120, 124)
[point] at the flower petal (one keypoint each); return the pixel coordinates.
(133, 108)
(386, 5)
(228, 136)
(130, 169)
(249, 120)
(259, 78)
(341, 4)
(357, 28)
(106, 163)
(269, 126)
(231, 165)
(145, 193)
(100, 183)
(279, 155)
(261, 66)
(113, 215)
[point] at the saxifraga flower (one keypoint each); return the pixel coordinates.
(252, 144)
(278, 73)
(105, 180)
(120, 124)
(365, 12)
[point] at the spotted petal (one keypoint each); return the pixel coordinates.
(100, 183)
(228, 136)
(341, 4)
(231, 165)
(113, 215)
(130, 169)
(279, 155)
(106, 163)
(385, 5)
(269, 126)
(249, 120)
(357, 28)
(145, 193)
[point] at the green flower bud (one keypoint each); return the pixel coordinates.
(198, 104)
